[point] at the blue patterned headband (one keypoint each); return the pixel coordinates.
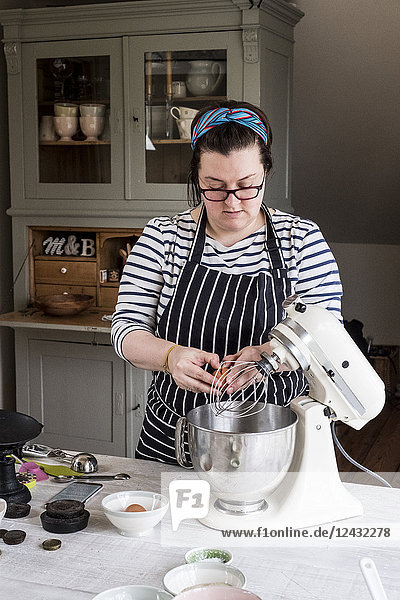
(219, 116)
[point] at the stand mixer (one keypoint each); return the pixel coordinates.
(277, 466)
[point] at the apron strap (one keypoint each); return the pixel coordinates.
(199, 241)
(273, 245)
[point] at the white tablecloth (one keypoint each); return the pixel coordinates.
(98, 558)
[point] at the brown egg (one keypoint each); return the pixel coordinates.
(221, 373)
(135, 508)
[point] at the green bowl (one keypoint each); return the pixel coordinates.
(208, 555)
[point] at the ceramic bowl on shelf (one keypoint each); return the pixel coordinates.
(64, 304)
(92, 110)
(92, 127)
(66, 127)
(133, 524)
(134, 592)
(216, 555)
(181, 578)
(217, 592)
(65, 109)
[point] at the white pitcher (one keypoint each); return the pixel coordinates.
(204, 77)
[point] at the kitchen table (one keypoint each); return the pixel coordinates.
(98, 558)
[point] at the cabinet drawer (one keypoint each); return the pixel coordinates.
(65, 271)
(44, 289)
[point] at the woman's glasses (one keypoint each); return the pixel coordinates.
(244, 193)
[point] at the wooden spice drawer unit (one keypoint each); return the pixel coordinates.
(54, 271)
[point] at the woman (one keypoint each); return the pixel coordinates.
(208, 284)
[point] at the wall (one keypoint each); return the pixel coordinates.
(346, 135)
(7, 386)
(370, 275)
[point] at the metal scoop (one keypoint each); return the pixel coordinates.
(81, 463)
(64, 478)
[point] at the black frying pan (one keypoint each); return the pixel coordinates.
(16, 429)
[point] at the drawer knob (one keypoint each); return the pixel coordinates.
(63, 269)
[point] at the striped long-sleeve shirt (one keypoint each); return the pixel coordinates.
(153, 267)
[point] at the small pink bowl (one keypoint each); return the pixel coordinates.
(217, 592)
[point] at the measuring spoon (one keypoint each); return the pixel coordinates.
(64, 478)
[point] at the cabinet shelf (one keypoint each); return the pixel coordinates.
(177, 100)
(76, 143)
(184, 141)
(53, 102)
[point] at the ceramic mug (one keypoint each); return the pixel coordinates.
(47, 132)
(184, 128)
(65, 109)
(66, 127)
(183, 112)
(179, 89)
(92, 127)
(92, 110)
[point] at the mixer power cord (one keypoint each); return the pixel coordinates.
(354, 462)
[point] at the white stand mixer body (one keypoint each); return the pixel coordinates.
(339, 375)
(343, 386)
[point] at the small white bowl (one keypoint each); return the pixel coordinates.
(92, 110)
(184, 577)
(65, 109)
(3, 508)
(133, 524)
(134, 592)
(217, 592)
(215, 555)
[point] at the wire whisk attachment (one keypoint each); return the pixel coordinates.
(249, 399)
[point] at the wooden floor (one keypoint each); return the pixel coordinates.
(375, 446)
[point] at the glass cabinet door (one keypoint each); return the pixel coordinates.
(74, 129)
(178, 76)
(178, 84)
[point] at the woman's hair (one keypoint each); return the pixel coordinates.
(225, 139)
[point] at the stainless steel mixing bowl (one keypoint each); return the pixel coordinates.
(244, 459)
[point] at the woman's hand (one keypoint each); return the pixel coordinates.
(185, 365)
(236, 381)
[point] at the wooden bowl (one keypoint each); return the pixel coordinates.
(64, 304)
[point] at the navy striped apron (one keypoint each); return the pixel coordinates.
(220, 313)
